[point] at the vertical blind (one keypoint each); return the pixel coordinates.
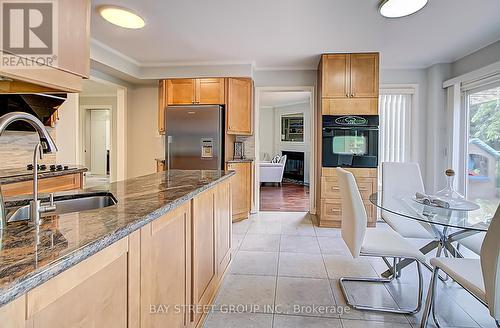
(394, 136)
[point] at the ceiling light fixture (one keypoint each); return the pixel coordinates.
(400, 8)
(120, 16)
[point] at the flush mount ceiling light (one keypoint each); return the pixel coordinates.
(120, 16)
(400, 8)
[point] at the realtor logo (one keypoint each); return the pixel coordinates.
(28, 36)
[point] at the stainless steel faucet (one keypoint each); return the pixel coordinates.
(46, 145)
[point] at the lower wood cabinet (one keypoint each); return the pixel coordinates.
(330, 209)
(242, 189)
(158, 276)
(93, 293)
(204, 251)
(165, 269)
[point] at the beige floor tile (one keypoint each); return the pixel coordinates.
(372, 324)
(299, 244)
(290, 321)
(302, 296)
(255, 263)
(237, 239)
(255, 293)
(346, 266)
(301, 265)
(238, 320)
(241, 227)
(262, 227)
(333, 245)
(260, 242)
(327, 232)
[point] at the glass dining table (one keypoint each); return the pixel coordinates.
(448, 225)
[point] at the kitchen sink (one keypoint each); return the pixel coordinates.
(79, 203)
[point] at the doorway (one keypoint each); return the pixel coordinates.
(482, 181)
(98, 141)
(284, 150)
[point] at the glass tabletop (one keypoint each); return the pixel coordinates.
(478, 220)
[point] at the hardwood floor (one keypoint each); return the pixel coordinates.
(288, 198)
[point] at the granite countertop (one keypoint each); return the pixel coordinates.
(22, 174)
(67, 239)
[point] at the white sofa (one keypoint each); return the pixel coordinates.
(272, 172)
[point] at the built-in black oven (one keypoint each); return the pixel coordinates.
(350, 141)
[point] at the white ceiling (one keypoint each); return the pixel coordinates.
(292, 33)
(271, 99)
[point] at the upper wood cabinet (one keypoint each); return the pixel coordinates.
(336, 71)
(209, 91)
(73, 51)
(206, 91)
(239, 106)
(350, 75)
(364, 75)
(349, 84)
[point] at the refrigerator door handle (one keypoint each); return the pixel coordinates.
(169, 141)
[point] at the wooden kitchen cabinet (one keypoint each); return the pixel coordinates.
(162, 105)
(209, 91)
(204, 264)
(224, 227)
(349, 84)
(364, 75)
(14, 313)
(93, 293)
(45, 185)
(165, 263)
(241, 189)
(239, 106)
(181, 92)
(73, 51)
(336, 76)
(205, 91)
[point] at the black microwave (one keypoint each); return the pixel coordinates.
(350, 141)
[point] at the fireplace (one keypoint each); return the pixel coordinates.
(294, 167)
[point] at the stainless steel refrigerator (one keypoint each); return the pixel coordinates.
(194, 137)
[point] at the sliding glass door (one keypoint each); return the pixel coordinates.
(483, 147)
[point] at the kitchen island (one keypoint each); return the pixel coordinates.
(167, 241)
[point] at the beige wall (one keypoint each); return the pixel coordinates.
(144, 144)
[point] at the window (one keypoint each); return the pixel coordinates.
(395, 112)
(482, 172)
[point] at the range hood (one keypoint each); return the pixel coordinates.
(40, 105)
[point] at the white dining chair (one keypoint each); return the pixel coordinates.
(473, 242)
(372, 242)
(480, 277)
(403, 180)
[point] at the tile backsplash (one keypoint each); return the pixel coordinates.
(249, 144)
(16, 149)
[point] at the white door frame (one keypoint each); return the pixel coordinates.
(120, 120)
(83, 109)
(312, 129)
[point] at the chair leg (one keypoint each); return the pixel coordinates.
(398, 310)
(430, 302)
